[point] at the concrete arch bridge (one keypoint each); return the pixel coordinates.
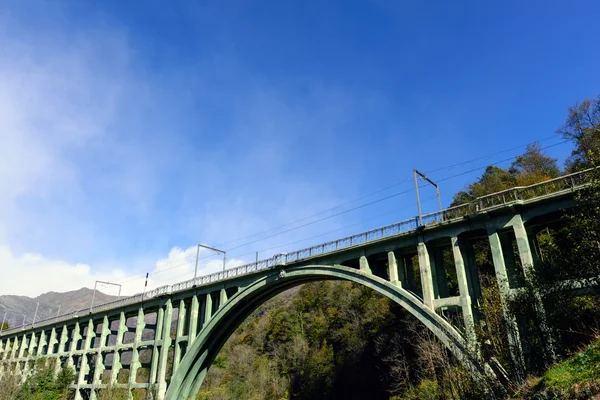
(166, 340)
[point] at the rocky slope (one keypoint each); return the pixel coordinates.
(20, 306)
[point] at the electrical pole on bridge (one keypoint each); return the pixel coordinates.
(437, 190)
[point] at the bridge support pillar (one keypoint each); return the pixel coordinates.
(393, 270)
(164, 350)
(84, 369)
(463, 288)
(364, 265)
(207, 309)
(43, 344)
(180, 324)
(426, 277)
(116, 365)
(64, 337)
(33, 346)
(194, 310)
(99, 367)
(135, 358)
(51, 343)
(76, 337)
(222, 297)
(158, 332)
(526, 257)
(22, 349)
(514, 340)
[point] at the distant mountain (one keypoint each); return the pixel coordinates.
(17, 306)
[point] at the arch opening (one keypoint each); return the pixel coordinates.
(187, 380)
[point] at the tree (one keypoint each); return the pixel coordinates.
(5, 326)
(494, 179)
(534, 166)
(582, 127)
(531, 167)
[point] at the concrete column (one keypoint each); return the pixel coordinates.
(135, 359)
(528, 270)
(364, 265)
(52, 342)
(15, 346)
(193, 320)
(180, 324)
(514, 340)
(222, 297)
(84, 369)
(463, 288)
(64, 336)
(207, 309)
(393, 270)
(158, 329)
(116, 365)
(524, 249)
(73, 347)
(99, 368)
(425, 271)
(43, 343)
(23, 346)
(164, 351)
(33, 345)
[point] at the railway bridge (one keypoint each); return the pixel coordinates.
(165, 340)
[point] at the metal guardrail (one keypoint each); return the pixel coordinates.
(517, 194)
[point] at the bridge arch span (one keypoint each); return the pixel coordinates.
(188, 378)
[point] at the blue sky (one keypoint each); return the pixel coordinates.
(129, 132)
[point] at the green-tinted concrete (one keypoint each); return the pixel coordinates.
(364, 265)
(526, 257)
(194, 310)
(463, 288)
(516, 350)
(164, 350)
(426, 277)
(393, 270)
(179, 334)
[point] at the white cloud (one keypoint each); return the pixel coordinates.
(32, 274)
(92, 149)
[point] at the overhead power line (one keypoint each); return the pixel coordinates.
(350, 209)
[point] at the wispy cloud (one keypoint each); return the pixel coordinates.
(109, 163)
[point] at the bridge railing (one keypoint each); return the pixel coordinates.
(512, 195)
(563, 183)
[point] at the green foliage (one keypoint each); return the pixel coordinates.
(531, 167)
(582, 127)
(580, 369)
(576, 378)
(427, 389)
(310, 342)
(5, 326)
(42, 384)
